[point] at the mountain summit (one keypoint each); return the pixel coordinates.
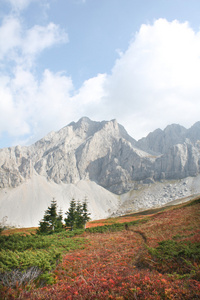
(103, 152)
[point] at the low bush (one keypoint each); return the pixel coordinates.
(182, 258)
(116, 226)
(44, 260)
(19, 277)
(23, 242)
(23, 259)
(170, 249)
(193, 202)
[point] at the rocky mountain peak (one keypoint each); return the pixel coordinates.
(160, 141)
(193, 133)
(103, 152)
(86, 126)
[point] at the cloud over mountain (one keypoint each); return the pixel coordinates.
(153, 83)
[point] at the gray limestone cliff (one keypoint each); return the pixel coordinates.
(103, 152)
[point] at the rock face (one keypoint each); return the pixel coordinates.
(103, 152)
(160, 141)
(101, 161)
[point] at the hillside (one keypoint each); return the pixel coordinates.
(99, 161)
(157, 257)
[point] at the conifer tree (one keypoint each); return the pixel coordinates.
(77, 215)
(51, 221)
(85, 213)
(59, 224)
(71, 215)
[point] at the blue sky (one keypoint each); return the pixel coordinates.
(137, 61)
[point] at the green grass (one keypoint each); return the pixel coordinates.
(23, 252)
(169, 249)
(193, 202)
(181, 258)
(115, 226)
(35, 257)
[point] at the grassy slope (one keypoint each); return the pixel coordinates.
(25, 231)
(118, 265)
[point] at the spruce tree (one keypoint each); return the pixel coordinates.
(71, 215)
(77, 215)
(51, 222)
(85, 213)
(59, 223)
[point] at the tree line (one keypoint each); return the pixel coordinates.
(76, 217)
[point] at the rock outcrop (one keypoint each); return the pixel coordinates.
(103, 152)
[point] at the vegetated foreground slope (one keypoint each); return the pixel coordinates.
(157, 257)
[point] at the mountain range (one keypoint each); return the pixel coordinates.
(99, 161)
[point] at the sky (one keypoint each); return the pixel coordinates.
(136, 61)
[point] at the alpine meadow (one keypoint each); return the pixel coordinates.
(99, 149)
(154, 254)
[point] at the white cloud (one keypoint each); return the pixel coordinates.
(21, 45)
(10, 34)
(54, 105)
(92, 90)
(18, 5)
(31, 106)
(39, 38)
(154, 83)
(27, 103)
(36, 107)
(11, 113)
